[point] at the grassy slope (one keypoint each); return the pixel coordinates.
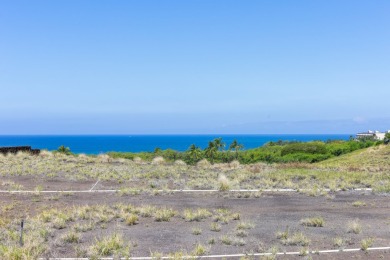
(363, 168)
(376, 158)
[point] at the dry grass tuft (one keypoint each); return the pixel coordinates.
(204, 164)
(234, 164)
(164, 214)
(223, 183)
(137, 160)
(313, 222)
(366, 243)
(338, 242)
(158, 160)
(131, 219)
(199, 250)
(110, 245)
(358, 203)
(196, 215)
(45, 153)
(180, 162)
(354, 227)
(104, 158)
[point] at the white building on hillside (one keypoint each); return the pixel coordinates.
(374, 134)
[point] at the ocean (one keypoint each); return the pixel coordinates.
(96, 144)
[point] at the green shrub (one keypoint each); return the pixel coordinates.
(310, 148)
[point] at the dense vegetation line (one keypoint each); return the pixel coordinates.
(272, 152)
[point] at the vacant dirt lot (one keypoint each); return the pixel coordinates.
(145, 218)
(260, 219)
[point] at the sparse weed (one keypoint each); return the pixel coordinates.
(241, 233)
(71, 237)
(158, 160)
(313, 222)
(283, 235)
(303, 251)
(211, 241)
(129, 191)
(238, 241)
(147, 211)
(236, 216)
(338, 242)
(366, 243)
(131, 219)
(226, 240)
(196, 215)
(223, 182)
(83, 227)
(296, 239)
(358, 203)
(59, 223)
(244, 225)
(110, 245)
(196, 231)
(199, 250)
(354, 227)
(164, 214)
(215, 227)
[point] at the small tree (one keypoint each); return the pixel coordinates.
(211, 151)
(219, 144)
(235, 146)
(64, 150)
(387, 138)
(157, 150)
(194, 152)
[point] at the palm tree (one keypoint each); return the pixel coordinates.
(194, 152)
(157, 150)
(63, 149)
(219, 144)
(235, 146)
(211, 150)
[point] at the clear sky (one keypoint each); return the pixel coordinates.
(201, 66)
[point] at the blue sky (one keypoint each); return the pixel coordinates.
(167, 67)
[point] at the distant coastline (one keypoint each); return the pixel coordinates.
(96, 144)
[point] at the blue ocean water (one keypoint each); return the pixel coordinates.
(95, 144)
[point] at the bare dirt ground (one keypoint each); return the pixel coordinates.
(266, 214)
(143, 217)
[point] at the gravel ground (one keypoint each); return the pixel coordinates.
(268, 213)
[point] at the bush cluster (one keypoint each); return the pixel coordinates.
(273, 152)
